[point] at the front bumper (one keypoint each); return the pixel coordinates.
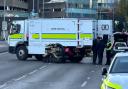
(12, 50)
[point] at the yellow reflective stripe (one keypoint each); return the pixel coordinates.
(112, 85)
(59, 36)
(110, 46)
(102, 86)
(89, 36)
(16, 36)
(35, 36)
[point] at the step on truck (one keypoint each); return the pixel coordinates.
(51, 40)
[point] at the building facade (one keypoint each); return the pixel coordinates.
(81, 8)
(105, 9)
(69, 9)
(12, 10)
(53, 10)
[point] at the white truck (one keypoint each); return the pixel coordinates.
(51, 40)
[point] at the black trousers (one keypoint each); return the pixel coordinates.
(108, 56)
(94, 57)
(100, 56)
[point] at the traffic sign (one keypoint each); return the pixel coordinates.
(4, 25)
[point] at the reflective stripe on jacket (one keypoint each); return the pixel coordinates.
(109, 46)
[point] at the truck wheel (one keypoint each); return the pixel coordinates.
(56, 55)
(56, 59)
(22, 53)
(52, 59)
(39, 57)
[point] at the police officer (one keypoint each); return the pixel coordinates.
(108, 53)
(101, 47)
(95, 49)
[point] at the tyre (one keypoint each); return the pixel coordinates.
(22, 53)
(56, 56)
(52, 59)
(39, 57)
(56, 59)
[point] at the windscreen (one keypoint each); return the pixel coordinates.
(120, 45)
(120, 37)
(120, 65)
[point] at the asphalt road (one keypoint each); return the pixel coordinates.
(32, 74)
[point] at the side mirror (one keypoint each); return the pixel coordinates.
(11, 31)
(104, 71)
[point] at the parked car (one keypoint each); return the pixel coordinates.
(116, 77)
(119, 47)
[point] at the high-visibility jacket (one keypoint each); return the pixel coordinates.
(109, 46)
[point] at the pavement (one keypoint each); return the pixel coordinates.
(3, 46)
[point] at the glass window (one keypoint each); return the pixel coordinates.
(120, 65)
(15, 28)
(86, 6)
(80, 6)
(120, 45)
(47, 10)
(57, 9)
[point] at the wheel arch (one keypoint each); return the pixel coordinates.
(21, 43)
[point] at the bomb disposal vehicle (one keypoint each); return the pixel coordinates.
(51, 40)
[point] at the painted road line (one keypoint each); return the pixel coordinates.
(37, 70)
(88, 78)
(3, 53)
(1, 86)
(92, 71)
(32, 72)
(20, 78)
(84, 84)
(42, 67)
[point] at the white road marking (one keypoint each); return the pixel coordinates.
(20, 78)
(3, 53)
(32, 72)
(88, 78)
(5, 84)
(42, 67)
(92, 71)
(1, 86)
(84, 84)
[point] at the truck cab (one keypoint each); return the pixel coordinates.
(17, 35)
